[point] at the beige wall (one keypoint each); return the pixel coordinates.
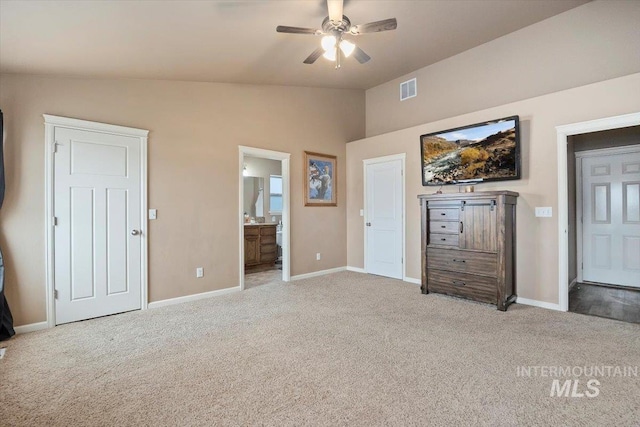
(537, 238)
(594, 42)
(195, 130)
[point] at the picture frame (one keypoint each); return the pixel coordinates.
(320, 179)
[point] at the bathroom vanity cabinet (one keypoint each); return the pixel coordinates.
(260, 250)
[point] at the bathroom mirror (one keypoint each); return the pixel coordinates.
(254, 196)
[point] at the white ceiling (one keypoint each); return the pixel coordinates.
(236, 41)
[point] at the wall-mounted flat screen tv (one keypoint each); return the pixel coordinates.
(482, 152)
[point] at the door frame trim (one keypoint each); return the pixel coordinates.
(384, 159)
(562, 134)
(601, 152)
(50, 123)
(285, 159)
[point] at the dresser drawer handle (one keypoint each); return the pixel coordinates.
(443, 226)
(443, 239)
(458, 260)
(443, 213)
(458, 283)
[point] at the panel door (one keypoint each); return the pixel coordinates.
(611, 219)
(384, 219)
(97, 241)
(478, 226)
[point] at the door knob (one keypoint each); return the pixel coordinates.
(368, 224)
(135, 232)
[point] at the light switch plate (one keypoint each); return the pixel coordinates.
(544, 212)
(199, 272)
(153, 213)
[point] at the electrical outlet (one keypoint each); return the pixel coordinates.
(199, 272)
(361, 212)
(153, 213)
(318, 256)
(545, 212)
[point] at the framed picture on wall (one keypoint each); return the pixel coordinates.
(320, 179)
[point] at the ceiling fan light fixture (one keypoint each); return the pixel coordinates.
(328, 43)
(334, 28)
(330, 54)
(347, 47)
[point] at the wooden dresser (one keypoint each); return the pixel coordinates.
(259, 246)
(468, 245)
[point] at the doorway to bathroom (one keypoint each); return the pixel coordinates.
(264, 217)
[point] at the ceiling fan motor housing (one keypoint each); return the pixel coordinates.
(329, 26)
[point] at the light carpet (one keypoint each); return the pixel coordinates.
(341, 349)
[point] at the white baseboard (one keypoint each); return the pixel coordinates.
(406, 279)
(31, 327)
(318, 273)
(412, 280)
(536, 303)
(194, 297)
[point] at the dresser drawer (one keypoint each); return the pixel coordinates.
(267, 240)
(267, 249)
(443, 239)
(443, 214)
(268, 230)
(462, 261)
(478, 288)
(444, 227)
(251, 230)
(267, 258)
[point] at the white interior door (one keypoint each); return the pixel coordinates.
(384, 218)
(97, 237)
(611, 219)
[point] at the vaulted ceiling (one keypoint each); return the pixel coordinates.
(236, 41)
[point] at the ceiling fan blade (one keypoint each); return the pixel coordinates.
(298, 30)
(314, 55)
(360, 55)
(335, 10)
(374, 27)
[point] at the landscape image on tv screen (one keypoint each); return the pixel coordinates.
(482, 152)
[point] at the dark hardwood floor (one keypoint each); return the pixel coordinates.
(604, 301)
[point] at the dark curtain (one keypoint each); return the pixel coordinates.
(6, 320)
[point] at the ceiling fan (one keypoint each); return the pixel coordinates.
(334, 28)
